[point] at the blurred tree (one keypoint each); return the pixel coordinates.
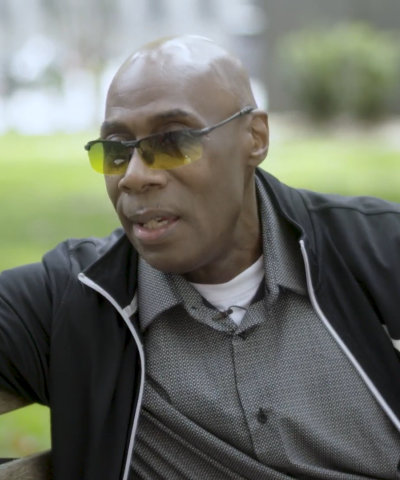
(350, 68)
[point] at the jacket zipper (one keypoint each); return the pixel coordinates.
(125, 314)
(378, 397)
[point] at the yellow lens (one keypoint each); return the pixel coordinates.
(109, 158)
(191, 148)
(96, 157)
(170, 150)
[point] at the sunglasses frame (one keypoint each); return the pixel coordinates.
(195, 133)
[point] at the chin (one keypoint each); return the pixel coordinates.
(167, 264)
(166, 260)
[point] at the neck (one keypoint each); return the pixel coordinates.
(244, 250)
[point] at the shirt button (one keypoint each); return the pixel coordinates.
(262, 416)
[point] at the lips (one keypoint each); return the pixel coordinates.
(153, 226)
(147, 216)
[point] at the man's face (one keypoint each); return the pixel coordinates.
(202, 204)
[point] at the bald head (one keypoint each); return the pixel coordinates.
(190, 60)
(161, 96)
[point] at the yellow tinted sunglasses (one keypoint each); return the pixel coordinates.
(161, 151)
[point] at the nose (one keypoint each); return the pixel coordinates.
(139, 177)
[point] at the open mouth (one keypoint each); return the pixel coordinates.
(154, 230)
(156, 223)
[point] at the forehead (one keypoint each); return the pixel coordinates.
(151, 86)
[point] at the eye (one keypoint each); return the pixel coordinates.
(117, 138)
(116, 157)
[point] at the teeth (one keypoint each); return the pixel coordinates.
(155, 224)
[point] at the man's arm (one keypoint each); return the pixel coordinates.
(20, 325)
(26, 312)
(34, 467)
(10, 401)
(28, 306)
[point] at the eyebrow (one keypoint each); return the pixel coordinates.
(169, 114)
(110, 126)
(162, 116)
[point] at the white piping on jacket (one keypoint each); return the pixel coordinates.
(132, 308)
(125, 314)
(396, 343)
(378, 397)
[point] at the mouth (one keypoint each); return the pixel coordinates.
(155, 224)
(152, 228)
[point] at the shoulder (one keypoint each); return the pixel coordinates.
(362, 232)
(364, 205)
(318, 212)
(74, 255)
(48, 280)
(316, 202)
(359, 227)
(363, 219)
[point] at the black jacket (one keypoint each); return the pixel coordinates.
(69, 336)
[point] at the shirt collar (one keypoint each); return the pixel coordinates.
(283, 265)
(155, 293)
(283, 261)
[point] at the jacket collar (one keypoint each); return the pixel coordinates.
(115, 270)
(291, 204)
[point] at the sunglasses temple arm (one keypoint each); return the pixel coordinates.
(132, 144)
(206, 130)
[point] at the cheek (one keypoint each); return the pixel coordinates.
(112, 189)
(214, 191)
(221, 172)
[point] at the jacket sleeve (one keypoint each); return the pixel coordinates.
(25, 328)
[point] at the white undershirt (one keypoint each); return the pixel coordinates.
(239, 291)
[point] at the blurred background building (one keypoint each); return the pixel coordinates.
(56, 55)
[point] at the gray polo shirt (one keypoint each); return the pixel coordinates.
(274, 398)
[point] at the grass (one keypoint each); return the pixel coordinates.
(48, 193)
(347, 167)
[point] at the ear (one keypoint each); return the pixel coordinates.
(260, 134)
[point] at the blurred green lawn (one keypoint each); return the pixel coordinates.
(48, 193)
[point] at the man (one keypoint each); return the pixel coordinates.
(236, 328)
